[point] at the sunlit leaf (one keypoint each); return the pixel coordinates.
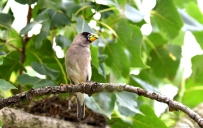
(192, 93)
(167, 18)
(198, 37)
(94, 55)
(183, 3)
(193, 10)
(197, 69)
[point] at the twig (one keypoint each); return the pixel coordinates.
(93, 87)
(16, 48)
(25, 40)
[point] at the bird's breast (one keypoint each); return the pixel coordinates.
(79, 65)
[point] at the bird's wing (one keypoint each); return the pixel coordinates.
(78, 64)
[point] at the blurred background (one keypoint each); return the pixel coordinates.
(152, 44)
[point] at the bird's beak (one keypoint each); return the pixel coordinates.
(93, 37)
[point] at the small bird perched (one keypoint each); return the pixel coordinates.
(78, 65)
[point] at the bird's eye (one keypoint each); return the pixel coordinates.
(88, 36)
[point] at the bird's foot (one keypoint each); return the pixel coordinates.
(64, 84)
(83, 84)
(63, 87)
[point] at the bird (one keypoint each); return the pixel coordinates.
(78, 65)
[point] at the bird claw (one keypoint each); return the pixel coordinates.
(83, 84)
(61, 84)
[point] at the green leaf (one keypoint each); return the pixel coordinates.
(25, 79)
(43, 34)
(121, 2)
(6, 20)
(192, 93)
(62, 41)
(167, 18)
(28, 27)
(57, 19)
(102, 103)
(118, 61)
(127, 104)
(102, 58)
(2, 58)
(43, 83)
(42, 16)
(183, 3)
(94, 55)
(14, 39)
(3, 3)
(193, 10)
(197, 70)
(179, 39)
(82, 26)
(11, 65)
(131, 37)
(133, 14)
(4, 85)
(148, 120)
(121, 122)
(45, 70)
(190, 24)
(97, 76)
(144, 84)
(26, 1)
(165, 60)
(153, 40)
(198, 37)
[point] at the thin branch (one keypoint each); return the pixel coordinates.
(93, 87)
(16, 48)
(2, 40)
(24, 43)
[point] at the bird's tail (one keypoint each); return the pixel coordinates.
(80, 105)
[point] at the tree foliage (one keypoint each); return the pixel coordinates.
(123, 52)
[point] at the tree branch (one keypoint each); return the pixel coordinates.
(93, 87)
(19, 119)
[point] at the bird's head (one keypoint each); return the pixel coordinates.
(90, 36)
(84, 39)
